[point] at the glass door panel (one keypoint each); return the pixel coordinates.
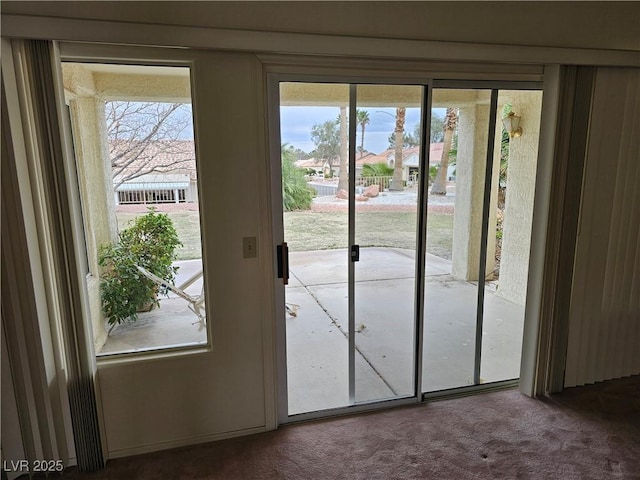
(387, 170)
(457, 164)
(509, 239)
(315, 168)
(349, 324)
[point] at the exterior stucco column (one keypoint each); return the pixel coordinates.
(96, 192)
(470, 172)
(518, 211)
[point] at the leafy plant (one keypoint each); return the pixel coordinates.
(380, 169)
(296, 194)
(433, 171)
(150, 242)
(504, 160)
(376, 170)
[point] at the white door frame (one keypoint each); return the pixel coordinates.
(306, 74)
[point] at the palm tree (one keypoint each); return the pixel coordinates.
(397, 183)
(439, 186)
(363, 120)
(343, 181)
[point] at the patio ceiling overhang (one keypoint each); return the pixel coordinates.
(375, 96)
(172, 84)
(142, 83)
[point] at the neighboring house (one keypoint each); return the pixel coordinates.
(158, 172)
(156, 188)
(165, 172)
(410, 161)
(368, 159)
(322, 166)
(314, 164)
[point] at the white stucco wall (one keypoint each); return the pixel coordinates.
(470, 172)
(94, 179)
(144, 87)
(518, 212)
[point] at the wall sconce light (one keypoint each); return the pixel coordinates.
(512, 125)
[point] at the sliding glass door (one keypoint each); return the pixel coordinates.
(480, 211)
(392, 245)
(385, 210)
(350, 209)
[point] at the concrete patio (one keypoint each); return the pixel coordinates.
(170, 325)
(317, 345)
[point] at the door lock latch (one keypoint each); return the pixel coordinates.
(282, 253)
(355, 253)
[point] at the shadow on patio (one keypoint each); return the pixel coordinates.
(317, 346)
(317, 349)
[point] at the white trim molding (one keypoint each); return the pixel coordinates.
(132, 33)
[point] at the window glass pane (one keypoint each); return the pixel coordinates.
(509, 240)
(458, 151)
(135, 153)
(314, 143)
(386, 212)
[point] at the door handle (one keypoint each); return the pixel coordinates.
(355, 253)
(282, 252)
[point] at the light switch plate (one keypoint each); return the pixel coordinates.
(249, 247)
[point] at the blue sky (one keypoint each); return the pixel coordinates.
(296, 124)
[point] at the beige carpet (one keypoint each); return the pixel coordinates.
(584, 433)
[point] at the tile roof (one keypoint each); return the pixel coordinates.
(435, 152)
(177, 156)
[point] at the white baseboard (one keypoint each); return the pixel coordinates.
(127, 452)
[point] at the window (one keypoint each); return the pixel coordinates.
(135, 154)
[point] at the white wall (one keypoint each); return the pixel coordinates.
(608, 25)
(174, 400)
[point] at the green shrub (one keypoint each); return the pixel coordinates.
(433, 171)
(296, 194)
(378, 170)
(150, 242)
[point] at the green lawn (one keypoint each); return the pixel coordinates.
(305, 230)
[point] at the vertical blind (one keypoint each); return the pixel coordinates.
(41, 64)
(49, 353)
(604, 315)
